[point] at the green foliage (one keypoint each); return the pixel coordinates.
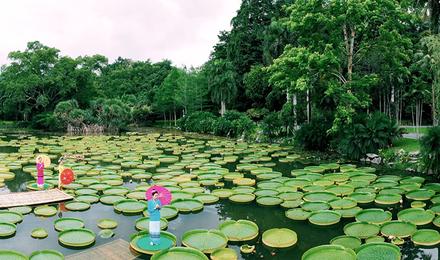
(367, 134)
(430, 150)
(272, 125)
(200, 122)
(315, 135)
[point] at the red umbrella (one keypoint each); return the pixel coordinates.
(67, 176)
(164, 194)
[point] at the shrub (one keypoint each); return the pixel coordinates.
(430, 151)
(200, 122)
(314, 135)
(367, 134)
(272, 125)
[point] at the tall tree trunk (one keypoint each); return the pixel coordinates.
(349, 35)
(435, 15)
(222, 108)
(294, 103)
(308, 105)
(434, 101)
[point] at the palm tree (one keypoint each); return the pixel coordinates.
(221, 82)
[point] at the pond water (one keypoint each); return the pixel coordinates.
(144, 148)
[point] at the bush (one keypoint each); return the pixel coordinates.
(45, 121)
(200, 122)
(430, 151)
(367, 134)
(314, 135)
(257, 114)
(272, 125)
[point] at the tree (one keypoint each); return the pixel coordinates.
(165, 97)
(221, 82)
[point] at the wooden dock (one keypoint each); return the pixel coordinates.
(30, 198)
(118, 249)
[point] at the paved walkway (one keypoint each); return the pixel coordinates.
(29, 198)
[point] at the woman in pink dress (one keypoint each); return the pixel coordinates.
(40, 172)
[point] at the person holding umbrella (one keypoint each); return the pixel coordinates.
(154, 206)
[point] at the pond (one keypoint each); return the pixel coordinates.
(179, 162)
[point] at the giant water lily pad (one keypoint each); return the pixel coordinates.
(242, 198)
(378, 251)
(347, 241)
(46, 255)
(166, 212)
(143, 223)
(7, 229)
(388, 199)
(349, 213)
(279, 238)
(106, 223)
(374, 216)
(361, 230)
(397, 228)
(12, 254)
(324, 217)
(315, 206)
(45, 211)
(204, 240)
(319, 196)
(68, 223)
(39, 233)
(186, 253)
(130, 206)
(426, 237)
(240, 230)
(77, 205)
(344, 203)
(111, 199)
(88, 198)
(298, 214)
(10, 217)
(420, 194)
(418, 216)
(140, 242)
(76, 237)
(223, 193)
(269, 201)
(207, 198)
(106, 233)
(187, 205)
(224, 254)
(329, 252)
(22, 210)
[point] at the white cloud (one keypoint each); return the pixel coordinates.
(183, 31)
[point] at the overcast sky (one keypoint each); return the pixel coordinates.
(183, 31)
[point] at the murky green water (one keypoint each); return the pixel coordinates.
(209, 218)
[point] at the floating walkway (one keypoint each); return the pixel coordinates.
(118, 249)
(30, 198)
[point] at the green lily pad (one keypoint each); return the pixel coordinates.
(315, 206)
(361, 230)
(187, 205)
(419, 204)
(388, 199)
(143, 223)
(417, 216)
(46, 254)
(374, 239)
(106, 223)
(349, 213)
(68, 223)
(166, 212)
(323, 196)
(207, 198)
(186, 253)
(76, 237)
(12, 254)
(224, 254)
(340, 190)
(223, 193)
(240, 230)
(130, 206)
(10, 217)
(325, 217)
(297, 214)
(290, 204)
(88, 198)
(39, 233)
(269, 201)
(398, 228)
(204, 240)
(344, 203)
(378, 251)
(347, 241)
(21, 210)
(111, 199)
(279, 238)
(77, 205)
(420, 194)
(247, 249)
(374, 216)
(7, 229)
(140, 240)
(242, 198)
(106, 233)
(45, 211)
(329, 252)
(426, 237)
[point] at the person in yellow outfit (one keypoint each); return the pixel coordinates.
(60, 170)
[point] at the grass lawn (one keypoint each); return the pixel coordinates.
(422, 130)
(410, 145)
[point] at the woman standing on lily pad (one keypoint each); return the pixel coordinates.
(40, 172)
(154, 206)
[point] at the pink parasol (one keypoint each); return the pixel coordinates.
(164, 194)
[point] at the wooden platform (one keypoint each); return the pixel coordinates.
(114, 250)
(30, 198)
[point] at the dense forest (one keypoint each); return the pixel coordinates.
(329, 74)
